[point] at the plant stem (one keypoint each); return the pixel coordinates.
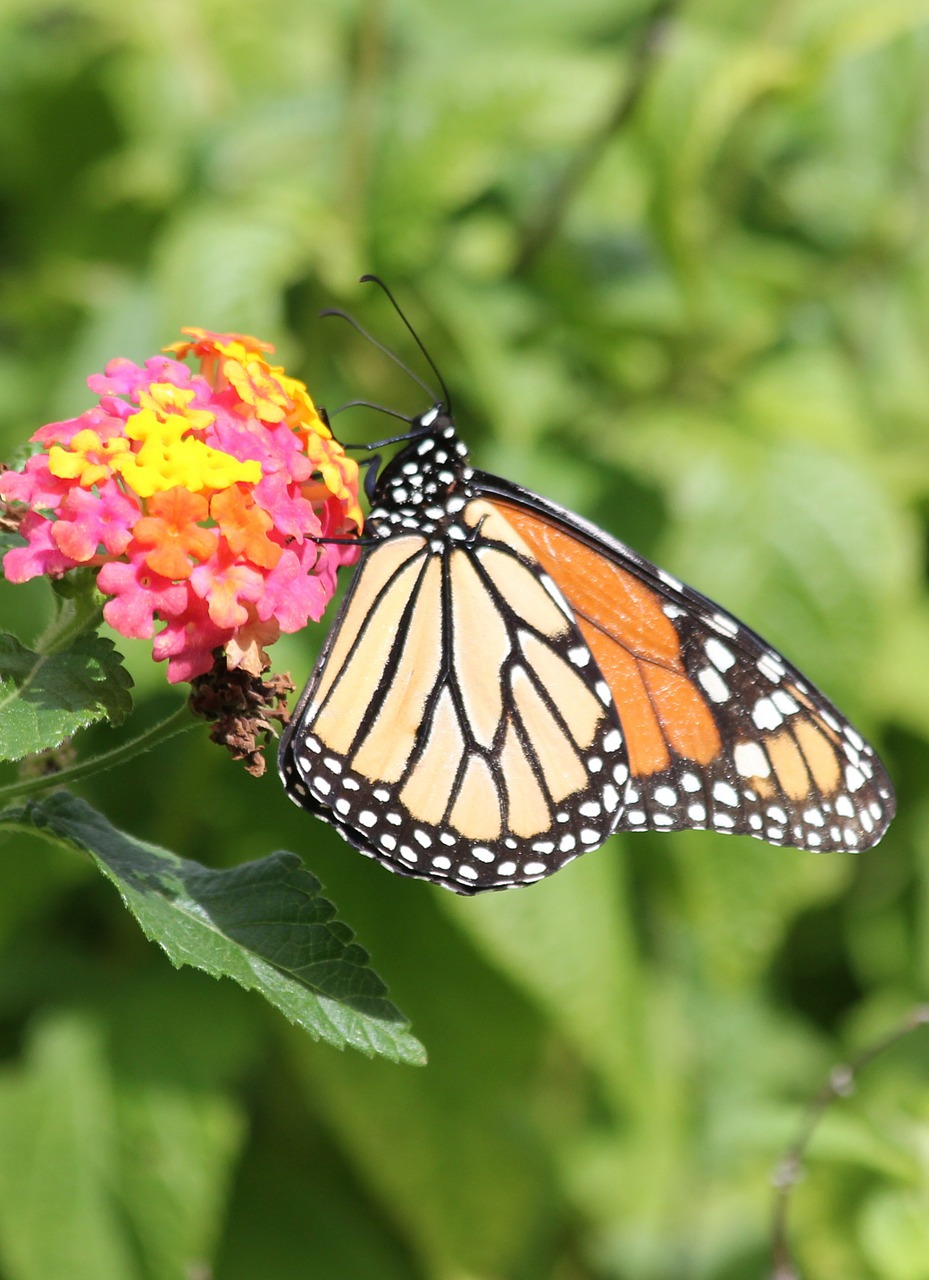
(177, 722)
(645, 58)
(841, 1082)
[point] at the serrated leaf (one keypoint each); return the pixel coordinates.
(46, 697)
(264, 924)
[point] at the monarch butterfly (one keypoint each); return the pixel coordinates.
(506, 685)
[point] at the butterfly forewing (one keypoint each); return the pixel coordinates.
(720, 730)
(452, 728)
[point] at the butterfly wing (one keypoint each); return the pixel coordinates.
(455, 727)
(720, 731)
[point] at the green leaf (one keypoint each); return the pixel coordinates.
(570, 945)
(895, 1234)
(176, 1197)
(264, 924)
(46, 697)
(58, 1160)
(9, 540)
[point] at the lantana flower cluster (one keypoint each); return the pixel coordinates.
(199, 497)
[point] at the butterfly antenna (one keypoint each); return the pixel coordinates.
(416, 338)
(369, 404)
(369, 337)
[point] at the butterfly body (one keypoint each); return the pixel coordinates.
(506, 685)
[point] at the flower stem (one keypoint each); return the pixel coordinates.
(78, 608)
(177, 722)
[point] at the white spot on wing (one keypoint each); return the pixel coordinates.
(769, 666)
(713, 684)
(725, 794)
(766, 715)
(750, 761)
(784, 702)
(854, 778)
(721, 657)
(727, 626)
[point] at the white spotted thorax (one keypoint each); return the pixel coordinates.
(459, 728)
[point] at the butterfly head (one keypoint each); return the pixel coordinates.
(431, 469)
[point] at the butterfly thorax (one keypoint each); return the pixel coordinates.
(425, 486)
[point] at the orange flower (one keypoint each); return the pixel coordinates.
(173, 532)
(244, 525)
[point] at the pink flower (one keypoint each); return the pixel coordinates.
(35, 485)
(188, 640)
(201, 499)
(86, 522)
(40, 556)
(292, 591)
(138, 595)
(226, 585)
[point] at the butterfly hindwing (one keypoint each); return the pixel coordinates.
(451, 728)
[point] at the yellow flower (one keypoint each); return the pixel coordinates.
(169, 458)
(87, 459)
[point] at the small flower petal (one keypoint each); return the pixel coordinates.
(41, 556)
(138, 595)
(226, 585)
(87, 522)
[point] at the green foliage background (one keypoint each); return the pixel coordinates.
(675, 268)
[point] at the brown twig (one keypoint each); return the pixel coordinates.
(648, 45)
(840, 1084)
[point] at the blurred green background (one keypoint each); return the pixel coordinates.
(674, 265)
